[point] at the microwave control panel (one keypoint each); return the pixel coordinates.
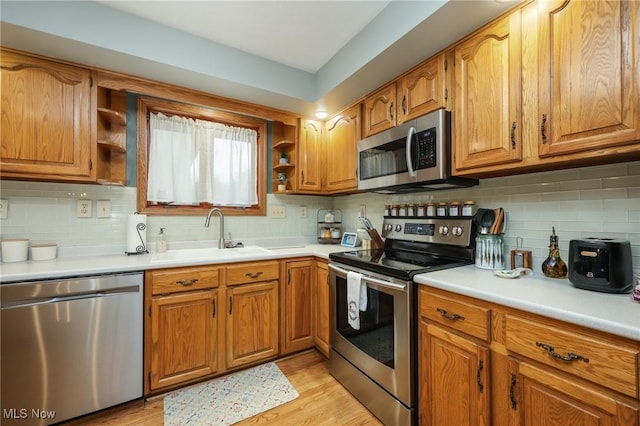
(426, 148)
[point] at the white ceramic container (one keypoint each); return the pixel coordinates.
(43, 251)
(15, 250)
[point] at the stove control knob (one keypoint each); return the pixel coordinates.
(444, 230)
(388, 227)
(398, 228)
(458, 231)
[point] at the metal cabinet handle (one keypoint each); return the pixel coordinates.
(478, 379)
(513, 135)
(448, 316)
(213, 308)
(512, 392)
(568, 358)
(186, 283)
(253, 275)
(543, 131)
(404, 104)
(302, 180)
(391, 111)
(230, 304)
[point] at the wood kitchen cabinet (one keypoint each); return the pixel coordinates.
(320, 308)
(252, 312)
(589, 87)
(111, 123)
(487, 123)
(310, 158)
(379, 110)
(425, 88)
(46, 119)
(342, 133)
(296, 289)
(483, 363)
(182, 326)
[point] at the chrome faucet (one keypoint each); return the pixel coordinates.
(221, 244)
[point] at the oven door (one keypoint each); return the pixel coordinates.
(383, 346)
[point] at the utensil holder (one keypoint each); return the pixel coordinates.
(489, 251)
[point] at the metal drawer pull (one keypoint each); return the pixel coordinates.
(543, 131)
(569, 357)
(252, 275)
(513, 135)
(512, 393)
(480, 368)
(186, 283)
(448, 316)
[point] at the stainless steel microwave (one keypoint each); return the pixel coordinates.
(415, 156)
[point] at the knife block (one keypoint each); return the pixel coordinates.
(376, 240)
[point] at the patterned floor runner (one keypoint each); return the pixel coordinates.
(230, 399)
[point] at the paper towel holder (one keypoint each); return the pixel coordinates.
(141, 248)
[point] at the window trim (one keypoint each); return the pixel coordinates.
(146, 105)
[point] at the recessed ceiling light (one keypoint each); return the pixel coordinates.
(322, 114)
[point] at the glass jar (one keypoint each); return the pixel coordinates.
(421, 210)
(402, 212)
(489, 251)
(387, 210)
(441, 211)
(395, 210)
(455, 209)
(431, 209)
(411, 210)
(469, 208)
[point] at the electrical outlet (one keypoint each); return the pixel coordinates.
(278, 212)
(103, 208)
(83, 208)
(363, 211)
(303, 212)
(4, 209)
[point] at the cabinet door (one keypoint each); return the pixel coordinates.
(321, 307)
(296, 302)
(252, 323)
(540, 397)
(46, 125)
(589, 87)
(422, 90)
(487, 123)
(183, 338)
(341, 153)
(380, 110)
(454, 379)
(310, 159)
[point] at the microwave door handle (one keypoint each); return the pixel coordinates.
(410, 134)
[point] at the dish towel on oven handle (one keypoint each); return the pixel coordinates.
(356, 298)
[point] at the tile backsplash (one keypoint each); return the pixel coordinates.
(602, 201)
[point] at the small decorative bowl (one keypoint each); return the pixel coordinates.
(15, 250)
(43, 251)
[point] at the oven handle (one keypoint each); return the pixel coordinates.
(372, 280)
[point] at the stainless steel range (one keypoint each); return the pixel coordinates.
(374, 339)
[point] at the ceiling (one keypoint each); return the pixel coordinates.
(297, 56)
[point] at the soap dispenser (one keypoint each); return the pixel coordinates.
(554, 266)
(161, 243)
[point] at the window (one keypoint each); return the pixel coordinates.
(192, 158)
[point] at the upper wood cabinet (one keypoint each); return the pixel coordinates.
(342, 133)
(310, 158)
(111, 122)
(46, 119)
(487, 121)
(424, 89)
(284, 157)
(380, 110)
(589, 86)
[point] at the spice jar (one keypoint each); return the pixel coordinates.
(441, 211)
(411, 210)
(387, 210)
(469, 208)
(395, 210)
(431, 209)
(455, 209)
(421, 210)
(403, 210)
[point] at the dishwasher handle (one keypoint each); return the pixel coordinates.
(35, 301)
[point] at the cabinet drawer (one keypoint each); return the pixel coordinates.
(588, 357)
(466, 317)
(252, 272)
(184, 279)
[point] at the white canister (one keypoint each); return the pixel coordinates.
(489, 251)
(43, 251)
(15, 250)
(335, 232)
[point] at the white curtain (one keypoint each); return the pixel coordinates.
(193, 161)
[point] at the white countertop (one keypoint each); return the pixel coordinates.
(554, 298)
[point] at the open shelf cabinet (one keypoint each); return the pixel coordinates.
(284, 146)
(111, 122)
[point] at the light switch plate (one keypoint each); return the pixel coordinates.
(278, 212)
(4, 209)
(103, 208)
(83, 208)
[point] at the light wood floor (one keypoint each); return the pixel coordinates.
(322, 401)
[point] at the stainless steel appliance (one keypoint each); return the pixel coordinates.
(415, 156)
(601, 264)
(377, 361)
(70, 347)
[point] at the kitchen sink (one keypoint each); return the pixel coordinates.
(210, 253)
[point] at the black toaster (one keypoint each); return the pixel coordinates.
(601, 264)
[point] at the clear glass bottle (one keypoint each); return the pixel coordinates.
(554, 266)
(161, 243)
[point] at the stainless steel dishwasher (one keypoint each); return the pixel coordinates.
(70, 347)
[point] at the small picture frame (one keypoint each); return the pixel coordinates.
(350, 239)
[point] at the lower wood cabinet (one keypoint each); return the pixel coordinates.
(485, 364)
(296, 333)
(320, 307)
